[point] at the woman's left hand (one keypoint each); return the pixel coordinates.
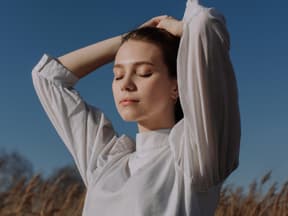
(171, 25)
(153, 22)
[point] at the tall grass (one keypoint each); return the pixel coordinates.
(44, 198)
(274, 202)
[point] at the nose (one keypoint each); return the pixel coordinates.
(127, 84)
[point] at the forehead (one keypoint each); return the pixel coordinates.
(137, 51)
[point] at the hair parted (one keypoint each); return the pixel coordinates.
(169, 44)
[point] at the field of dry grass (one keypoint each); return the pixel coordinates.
(274, 202)
(44, 198)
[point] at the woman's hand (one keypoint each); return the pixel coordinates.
(153, 22)
(171, 25)
(168, 23)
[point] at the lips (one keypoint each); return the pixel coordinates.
(128, 101)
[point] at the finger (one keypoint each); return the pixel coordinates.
(154, 21)
(162, 24)
(159, 18)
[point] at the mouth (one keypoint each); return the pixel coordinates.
(126, 102)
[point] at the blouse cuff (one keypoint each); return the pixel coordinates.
(53, 70)
(192, 9)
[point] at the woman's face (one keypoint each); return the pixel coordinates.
(142, 88)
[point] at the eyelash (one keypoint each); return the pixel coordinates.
(144, 75)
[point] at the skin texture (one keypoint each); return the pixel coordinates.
(140, 74)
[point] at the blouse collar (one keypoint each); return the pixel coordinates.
(150, 140)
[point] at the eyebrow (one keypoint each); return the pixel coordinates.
(134, 64)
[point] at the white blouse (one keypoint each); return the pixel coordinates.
(177, 171)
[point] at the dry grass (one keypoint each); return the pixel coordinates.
(44, 198)
(271, 203)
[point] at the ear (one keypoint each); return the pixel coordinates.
(174, 90)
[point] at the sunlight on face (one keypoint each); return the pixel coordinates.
(141, 87)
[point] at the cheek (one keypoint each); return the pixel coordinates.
(157, 91)
(115, 93)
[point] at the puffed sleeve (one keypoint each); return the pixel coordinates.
(83, 128)
(206, 141)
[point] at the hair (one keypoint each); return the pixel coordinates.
(169, 44)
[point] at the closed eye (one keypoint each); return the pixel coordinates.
(118, 78)
(145, 75)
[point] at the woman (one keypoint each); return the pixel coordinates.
(179, 160)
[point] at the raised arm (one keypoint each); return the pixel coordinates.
(206, 142)
(84, 129)
(85, 60)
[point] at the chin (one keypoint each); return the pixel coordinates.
(128, 117)
(129, 120)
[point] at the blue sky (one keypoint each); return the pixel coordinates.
(258, 31)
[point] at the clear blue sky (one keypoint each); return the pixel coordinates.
(259, 46)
